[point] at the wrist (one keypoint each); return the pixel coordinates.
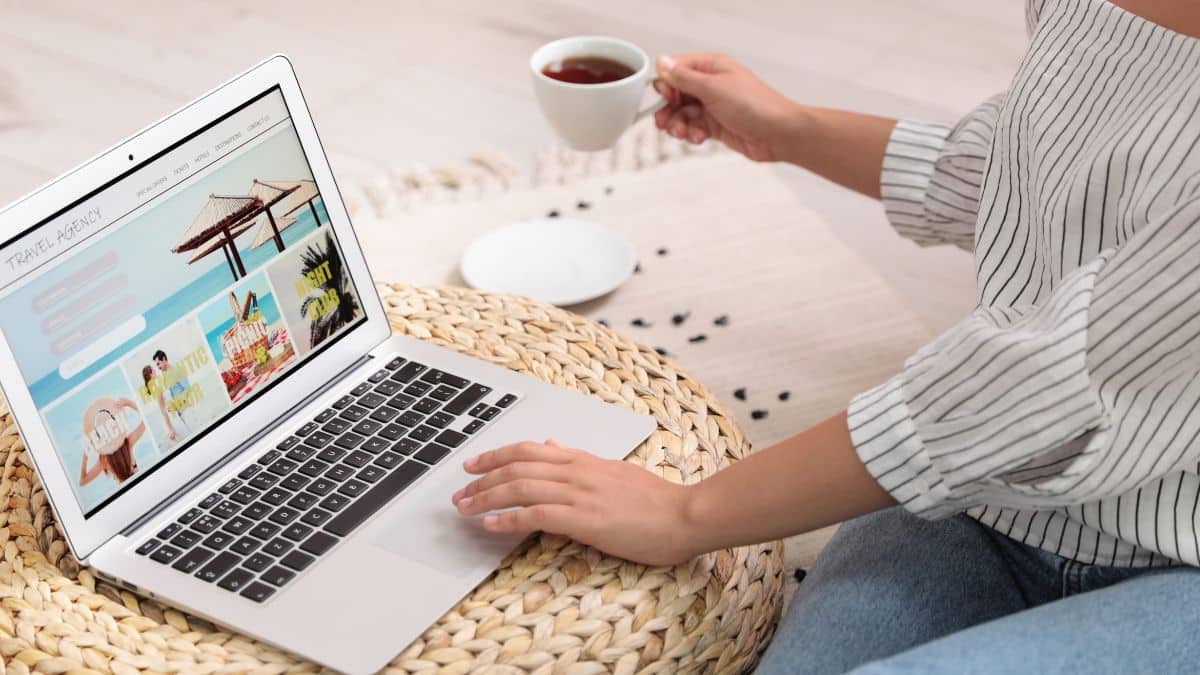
(692, 517)
(794, 125)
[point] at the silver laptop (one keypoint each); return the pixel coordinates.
(203, 373)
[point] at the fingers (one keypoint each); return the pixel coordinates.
(692, 74)
(521, 492)
(687, 122)
(552, 518)
(515, 471)
(526, 451)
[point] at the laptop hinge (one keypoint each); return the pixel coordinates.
(248, 443)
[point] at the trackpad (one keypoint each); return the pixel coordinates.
(429, 531)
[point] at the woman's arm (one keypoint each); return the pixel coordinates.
(87, 475)
(811, 480)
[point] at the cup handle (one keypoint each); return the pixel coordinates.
(654, 107)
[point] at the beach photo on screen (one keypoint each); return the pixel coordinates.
(314, 290)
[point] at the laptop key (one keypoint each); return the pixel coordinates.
(186, 539)
(282, 466)
(406, 446)
(372, 400)
(319, 543)
(264, 530)
(278, 576)
(321, 486)
(384, 414)
(354, 413)
(297, 531)
(326, 415)
(479, 409)
(269, 456)
(352, 488)
(335, 502)
(466, 399)
(301, 453)
(401, 401)
(388, 460)
(316, 517)
(284, 515)
(314, 467)
(436, 376)
(218, 540)
(237, 525)
(209, 501)
(427, 405)
(422, 433)
(264, 481)
(349, 440)
(473, 426)
(451, 438)
(229, 486)
(257, 510)
(297, 560)
(319, 439)
(277, 547)
(226, 509)
(367, 427)
(295, 482)
(393, 431)
(395, 363)
(307, 429)
(408, 371)
(258, 592)
(374, 499)
(302, 500)
(245, 545)
(276, 496)
(343, 402)
(443, 393)
(358, 458)
(331, 454)
(248, 472)
(432, 453)
(217, 568)
(339, 473)
(165, 554)
(362, 388)
(489, 414)
(418, 388)
(410, 418)
(506, 400)
(371, 474)
(375, 445)
(388, 388)
(440, 420)
(288, 443)
(192, 560)
(336, 426)
(206, 524)
(147, 547)
(258, 562)
(235, 580)
(378, 376)
(169, 531)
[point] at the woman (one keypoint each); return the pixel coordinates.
(148, 376)
(106, 437)
(1043, 453)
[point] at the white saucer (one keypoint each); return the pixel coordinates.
(561, 261)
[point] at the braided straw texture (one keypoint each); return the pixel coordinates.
(554, 606)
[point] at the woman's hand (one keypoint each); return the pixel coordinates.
(617, 507)
(713, 96)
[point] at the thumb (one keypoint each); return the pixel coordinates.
(683, 77)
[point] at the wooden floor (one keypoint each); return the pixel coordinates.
(408, 83)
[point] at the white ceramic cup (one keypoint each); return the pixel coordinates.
(592, 117)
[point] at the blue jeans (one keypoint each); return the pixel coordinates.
(895, 593)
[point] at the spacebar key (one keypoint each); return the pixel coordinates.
(469, 397)
(375, 498)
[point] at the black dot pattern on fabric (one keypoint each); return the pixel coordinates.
(678, 319)
(661, 351)
(603, 322)
(583, 206)
(785, 395)
(758, 414)
(722, 320)
(637, 268)
(608, 190)
(641, 323)
(696, 339)
(553, 213)
(662, 251)
(740, 393)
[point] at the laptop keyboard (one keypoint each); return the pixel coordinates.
(260, 529)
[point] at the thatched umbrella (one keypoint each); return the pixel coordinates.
(218, 242)
(271, 193)
(219, 217)
(267, 233)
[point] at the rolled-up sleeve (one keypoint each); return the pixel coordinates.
(1091, 394)
(932, 174)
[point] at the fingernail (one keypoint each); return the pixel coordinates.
(466, 502)
(696, 136)
(666, 63)
(471, 462)
(458, 495)
(490, 521)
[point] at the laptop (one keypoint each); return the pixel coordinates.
(205, 379)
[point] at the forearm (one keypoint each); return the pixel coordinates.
(811, 480)
(844, 147)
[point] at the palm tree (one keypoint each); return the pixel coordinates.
(312, 258)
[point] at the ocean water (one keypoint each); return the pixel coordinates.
(270, 312)
(214, 283)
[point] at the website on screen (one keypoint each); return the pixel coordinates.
(148, 312)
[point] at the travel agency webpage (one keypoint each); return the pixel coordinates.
(145, 314)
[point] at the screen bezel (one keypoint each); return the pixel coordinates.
(85, 534)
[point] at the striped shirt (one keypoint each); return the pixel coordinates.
(1065, 410)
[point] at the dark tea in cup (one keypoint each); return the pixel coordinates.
(587, 70)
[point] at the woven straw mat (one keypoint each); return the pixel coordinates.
(554, 606)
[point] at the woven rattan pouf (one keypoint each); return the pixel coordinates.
(554, 606)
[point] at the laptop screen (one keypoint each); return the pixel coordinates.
(150, 310)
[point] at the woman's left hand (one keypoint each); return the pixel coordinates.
(619, 508)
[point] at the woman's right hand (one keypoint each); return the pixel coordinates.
(714, 96)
